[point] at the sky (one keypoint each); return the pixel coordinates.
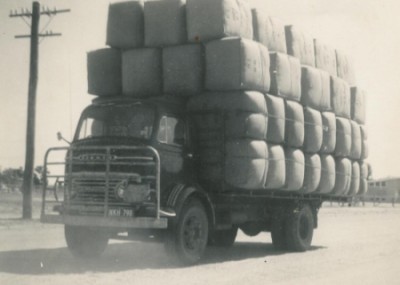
(367, 30)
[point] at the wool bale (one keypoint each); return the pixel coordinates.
(183, 69)
(329, 132)
(235, 101)
(343, 176)
(355, 179)
(237, 64)
(212, 126)
(315, 88)
(356, 141)
(276, 119)
(285, 72)
(325, 57)
(343, 137)
(364, 174)
(276, 175)
(294, 169)
(104, 72)
(141, 72)
(214, 19)
(269, 31)
(300, 45)
(125, 25)
(345, 68)
(340, 97)
(164, 23)
(364, 142)
(294, 128)
(358, 105)
(239, 163)
(313, 134)
(328, 174)
(312, 173)
(364, 149)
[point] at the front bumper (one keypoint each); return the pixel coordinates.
(107, 222)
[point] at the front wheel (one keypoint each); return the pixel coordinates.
(187, 237)
(85, 242)
(299, 228)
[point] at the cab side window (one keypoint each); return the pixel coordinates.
(171, 131)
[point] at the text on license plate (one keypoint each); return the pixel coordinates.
(120, 212)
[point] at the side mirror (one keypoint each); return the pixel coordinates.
(61, 138)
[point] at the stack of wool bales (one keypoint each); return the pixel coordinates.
(334, 109)
(270, 106)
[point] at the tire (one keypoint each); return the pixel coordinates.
(223, 238)
(299, 228)
(278, 234)
(187, 237)
(87, 243)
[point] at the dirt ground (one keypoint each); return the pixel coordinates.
(358, 245)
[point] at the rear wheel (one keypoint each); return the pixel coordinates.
(223, 238)
(299, 228)
(85, 242)
(187, 237)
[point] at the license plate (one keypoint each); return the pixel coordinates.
(120, 212)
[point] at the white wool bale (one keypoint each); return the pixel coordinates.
(364, 142)
(315, 88)
(340, 97)
(237, 64)
(343, 176)
(213, 19)
(328, 174)
(235, 101)
(183, 69)
(313, 134)
(294, 125)
(125, 25)
(295, 167)
(312, 173)
(269, 31)
(364, 174)
(141, 72)
(300, 45)
(209, 125)
(276, 119)
(104, 72)
(358, 105)
(164, 23)
(246, 163)
(325, 57)
(343, 137)
(356, 141)
(329, 132)
(285, 71)
(355, 179)
(345, 68)
(276, 175)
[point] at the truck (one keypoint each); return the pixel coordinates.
(131, 173)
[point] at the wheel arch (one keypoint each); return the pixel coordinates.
(182, 192)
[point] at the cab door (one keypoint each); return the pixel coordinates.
(171, 147)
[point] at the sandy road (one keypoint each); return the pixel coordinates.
(351, 246)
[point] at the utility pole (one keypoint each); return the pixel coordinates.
(27, 184)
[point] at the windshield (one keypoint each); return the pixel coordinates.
(134, 121)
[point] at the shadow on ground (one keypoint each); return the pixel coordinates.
(120, 257)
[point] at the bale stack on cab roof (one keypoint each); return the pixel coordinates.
(271, 107)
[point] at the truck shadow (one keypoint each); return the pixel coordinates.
(120, 257)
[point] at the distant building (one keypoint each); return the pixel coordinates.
(383, 190)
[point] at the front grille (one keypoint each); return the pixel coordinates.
(94, 191)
